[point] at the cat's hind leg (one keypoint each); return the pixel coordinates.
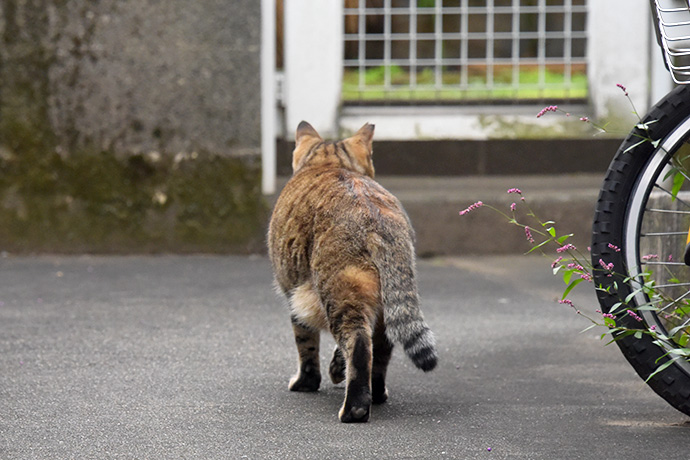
(337, 368)
(308, 377)
(352, 302)
(308, 318)
(383, 349)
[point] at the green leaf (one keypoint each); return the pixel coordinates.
(591, 326)
(570, 287)
(551, 231)
(676, 329)
(562, 239)
(632, 295)
(638, 335)
(615, 307)
(634, 145)
(660, 368)
(567, 274)
(678, 180)
(610, 322)
(539, 245)
(680, 351)
(645, 126)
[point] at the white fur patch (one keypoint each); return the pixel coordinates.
(306, 307)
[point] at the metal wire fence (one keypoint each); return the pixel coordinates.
(464, 50)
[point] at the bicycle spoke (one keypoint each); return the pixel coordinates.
(675, 197)
(666, 211)
(664, 234)
(672, 285)
(677, 264)
(675, 301)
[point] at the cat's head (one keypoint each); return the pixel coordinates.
(353, 153)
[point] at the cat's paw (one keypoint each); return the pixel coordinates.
(356, 406)
(354, 414)
(379, 396)
(305, 382)
(337, 368)
(379, 392)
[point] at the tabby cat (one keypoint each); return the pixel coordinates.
(342, 250)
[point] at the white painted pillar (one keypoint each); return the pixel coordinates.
(313, 64)
(618, 53)
(268, 97)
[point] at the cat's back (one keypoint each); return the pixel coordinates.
(332, 216)
(334, 196)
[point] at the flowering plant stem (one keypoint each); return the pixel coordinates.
(652, 303)
(575, 268)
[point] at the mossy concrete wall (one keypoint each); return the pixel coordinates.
(130, 125)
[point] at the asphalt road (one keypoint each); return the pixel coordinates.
(189, 357)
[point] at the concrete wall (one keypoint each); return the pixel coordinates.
(130, 126)
(135, 75)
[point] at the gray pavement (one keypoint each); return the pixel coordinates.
(189, 357)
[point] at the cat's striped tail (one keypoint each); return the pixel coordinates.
(401, 313)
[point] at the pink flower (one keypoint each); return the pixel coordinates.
(567, 302)
(515, 190)
(555, 262)
(565, 248)
(513, 207)
(614, 247)
(586, 276)
(585, 119)
(606, 266)
(634, 316)
(551, 108)
(625, 90)
(472, 207)
(652, 328)
(650, 257)
(528, 235)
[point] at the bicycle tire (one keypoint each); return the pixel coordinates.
(616, 231)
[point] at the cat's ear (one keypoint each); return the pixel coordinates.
(305, 138)
(305, 130)
(365, 135)
(360, 148)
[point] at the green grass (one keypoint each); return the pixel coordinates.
(526, 87)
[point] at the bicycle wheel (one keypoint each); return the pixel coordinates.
(640, 225)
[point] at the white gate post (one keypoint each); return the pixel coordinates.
(268, 97)
(313, 64)
(618, 53)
